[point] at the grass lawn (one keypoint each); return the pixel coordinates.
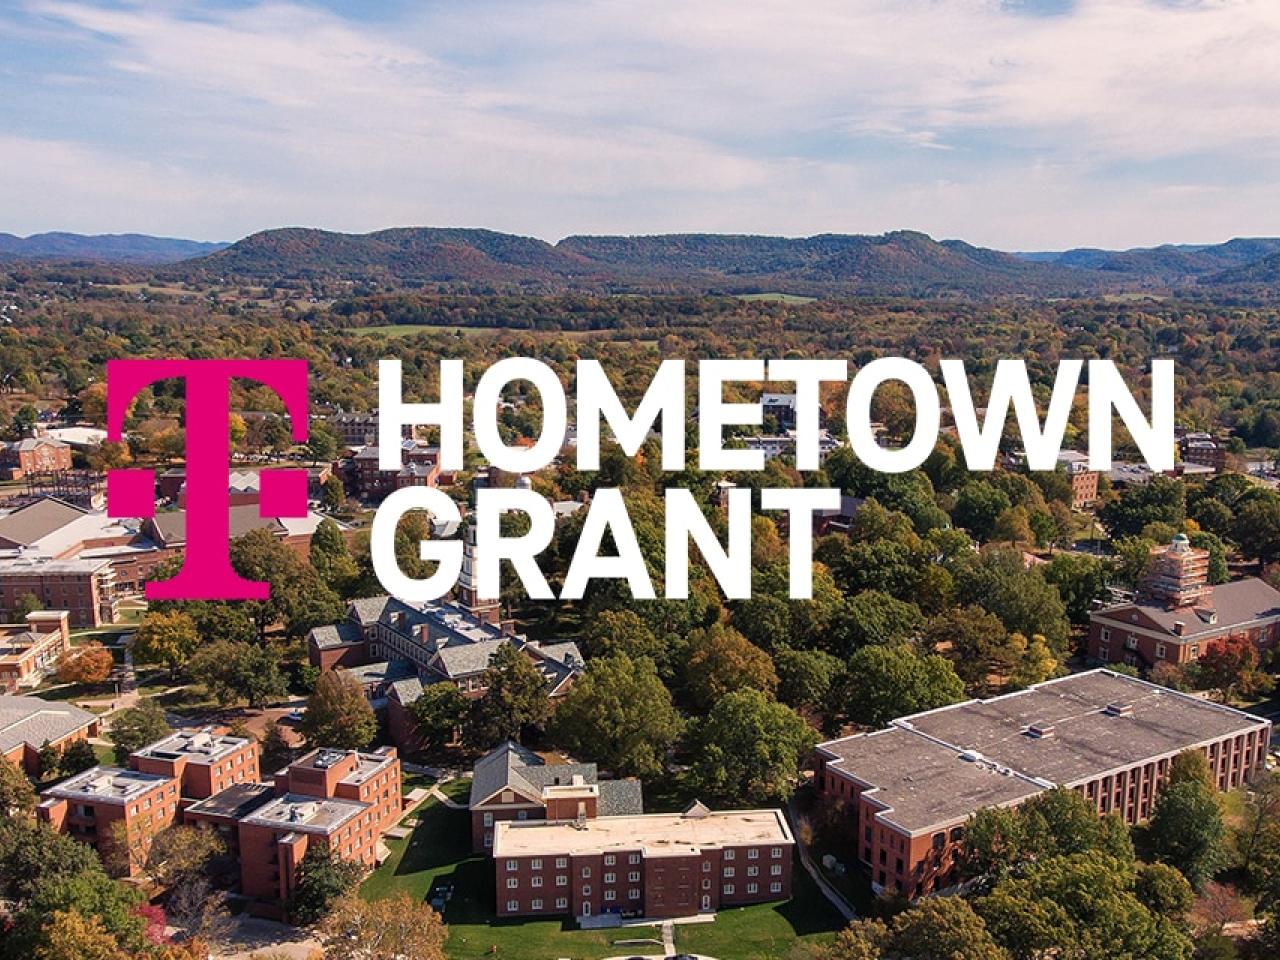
(106, 755)
(766, 931)
(776, 297)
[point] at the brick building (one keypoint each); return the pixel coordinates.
(27, 723)
(1177, 615)
(203, 762)
(33, 455)
(88, 806)
(85, 587)
(513, 783)
(30, 651)
(1084, 482)
(419, 467)
(656, 865)
(908, 790)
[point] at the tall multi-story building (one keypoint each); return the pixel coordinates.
(1084, 481)
(203, 762)
(90, 805)
(909, 790)
(1177, 615)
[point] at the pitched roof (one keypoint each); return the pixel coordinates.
(37, 520)
(334, 635)
(513, 767)
(32, 721)
(1235, 604)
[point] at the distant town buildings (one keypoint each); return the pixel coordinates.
(1177, 615)
(1084, 482)
(909, 789)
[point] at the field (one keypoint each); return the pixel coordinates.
(439, 851)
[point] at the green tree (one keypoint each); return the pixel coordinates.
(331, 558)
(1160, 500)
(77, 756)
(806, 677)
(1187, 830)
(276, 752)
(134, 727)
(975, 641)
(1190, 766)
(941, 928)
(334, 494)
(26, 604)
(1024, 601)
(239, 672)
(1164, 890)
(626, 632)
(49, 759)
(33, 855)
(515, 699)
(749, 749)
(438, 714)
(338, 714)
(873, 617)
(323, 879)
(620, 715)
(882, 683)
(1080, 579)
(978, 505)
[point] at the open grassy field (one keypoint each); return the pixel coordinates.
(775, 298)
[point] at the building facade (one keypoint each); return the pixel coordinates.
(33, 455)
(1177, 615)
(27, 723)
(31, 651)
(909, 790)
(656, 865)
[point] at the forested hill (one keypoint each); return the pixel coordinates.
(133, 248)
(895, 263)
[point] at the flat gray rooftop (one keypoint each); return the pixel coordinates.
(935, 768)
(106, 784)
(921, 783)
(295, 811)
(234, 803)
(198, 746)
(1087, 741)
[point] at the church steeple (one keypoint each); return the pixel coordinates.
(468, 592)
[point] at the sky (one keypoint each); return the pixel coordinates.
(1017, 124)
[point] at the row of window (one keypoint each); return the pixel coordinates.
(610, 896)
(610, 859)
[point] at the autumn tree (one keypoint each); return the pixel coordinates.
(338, 714)
(17, 795)
(90, 665)
(67, 935)
(720, 660)
(399, 927)
(166, 638)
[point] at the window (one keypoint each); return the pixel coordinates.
(1104, 651)
(610, 878)
(1131, 642)
(1159, 651)
(586, 889)
(536, 905)
(706, 866)
(775, 870)
(562, 881)
(634, 894)
(1106, 634)
(513, 906)
(610, 895)
(561, 863)
(633, 876)
(706, 884)
(776, 853)
(537, 863)
(728, 889)
(610, 859)
(775, 888)
(753, 854)
(634, 858)
(513, 883)
(753, 871)
(586, 872)
(562, 903)
(729, 854)
(536, 881)
(511, 864)
(728, 871)
(753, 888)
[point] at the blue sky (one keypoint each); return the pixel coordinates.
(1021, 124)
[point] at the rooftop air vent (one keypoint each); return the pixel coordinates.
(1118, 709)
(1040, 731)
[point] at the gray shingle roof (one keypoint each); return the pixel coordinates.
(513, 767)
(336, 635)
(32, 721)
(1235, 603)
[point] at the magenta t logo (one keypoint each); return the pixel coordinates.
(206, 572)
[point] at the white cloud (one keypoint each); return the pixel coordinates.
(552, 116)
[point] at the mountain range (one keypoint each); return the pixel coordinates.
(133, 248)
(901, 262)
